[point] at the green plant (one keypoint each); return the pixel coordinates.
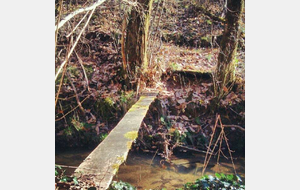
(173, 66)
(121, 186)
(68, 131)
(57, 168)
(76, 123)
(206, 38)
(126, 100)
(89, 70)
(109, 101)
(164, 121)
(208, 22)
(105, 107)
(126, 97)
(220, 181)
(179, 137)
(73, 70)
(60, 174)
(208, 57)
(61, 177)
(103, 136)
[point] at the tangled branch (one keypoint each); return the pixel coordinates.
(78, 11)
(73, 47)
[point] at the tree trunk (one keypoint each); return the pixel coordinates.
(137, 40)
(225, 71)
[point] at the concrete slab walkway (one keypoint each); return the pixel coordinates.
(103, 163)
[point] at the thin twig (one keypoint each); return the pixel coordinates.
(221, 135)
(224, 155)
(81, 63)
(228, 148)
(65, 166)
(210, 142)
(67, 98)
(78, 11)
(206, 164)
(59, 16)
(153, 157)
(62, 112)
(77, 25)
(214, 129)
(76, 95)
(193, 149)
(73, 47)
(220, 148)
(61, 80)
(73, 109)
(234, 126)
(235, 112)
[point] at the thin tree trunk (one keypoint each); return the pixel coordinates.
(225, 71)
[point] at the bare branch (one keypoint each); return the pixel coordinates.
(77, 25)
(71, 15)
(73, 109)
(81, 63)
(75, 91)
(234, 126)
(73, 47)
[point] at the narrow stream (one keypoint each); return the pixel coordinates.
(71, 158)
(185, 167)
(138, 171)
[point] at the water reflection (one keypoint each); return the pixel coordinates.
(184, 168)
(138, 171)
(71, 158)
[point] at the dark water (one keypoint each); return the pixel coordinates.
(71, 158)
(138, 171)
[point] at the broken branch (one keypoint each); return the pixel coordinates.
(235, 126)
(73, 47)
(73, 109)
(71, 15)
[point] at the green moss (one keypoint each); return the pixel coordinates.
(173, 66)
(129, 143)
(206, 38)
(209, 57)
(132, 135)
(88, 70)
(68, 131)
(137, 106)
(208, 22)
(121, 158)
(109, 101)
(127, 96)
(77, 124)
(115, 166)
(73, 70)
(103, 136)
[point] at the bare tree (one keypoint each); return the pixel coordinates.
(225, 71)
(137, 39)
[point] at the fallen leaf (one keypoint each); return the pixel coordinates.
(185, 117)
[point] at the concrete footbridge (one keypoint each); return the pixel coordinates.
(104, 161)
